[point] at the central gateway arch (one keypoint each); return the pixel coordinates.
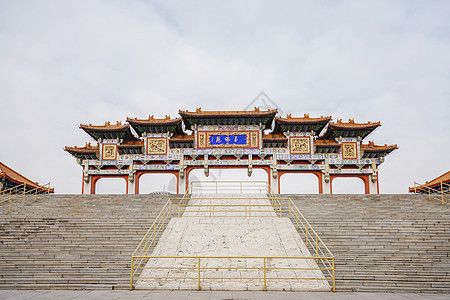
(250, 140)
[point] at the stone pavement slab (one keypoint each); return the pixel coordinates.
(209, 295)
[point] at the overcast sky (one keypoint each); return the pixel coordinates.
(63, 63)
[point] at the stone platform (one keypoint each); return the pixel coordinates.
(236, 235)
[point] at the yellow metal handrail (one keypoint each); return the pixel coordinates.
(263, 269)
(214, 212)
(441, 194)
(20, 192)
(282, 207)
(231, 185)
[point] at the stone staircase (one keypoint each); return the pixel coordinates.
(383, 243)
(74, 241)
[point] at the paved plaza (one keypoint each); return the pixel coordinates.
(208, 295)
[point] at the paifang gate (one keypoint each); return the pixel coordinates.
(231, 139)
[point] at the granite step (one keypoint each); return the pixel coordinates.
(382, 243)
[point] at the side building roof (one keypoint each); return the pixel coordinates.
(433, 184)
(8, 173)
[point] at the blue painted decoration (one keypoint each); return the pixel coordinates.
(225, 140)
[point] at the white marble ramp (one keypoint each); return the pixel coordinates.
(231, 235)
(229, 205)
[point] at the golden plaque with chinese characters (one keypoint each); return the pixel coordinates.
(300, 145)
(349, 151)
(156, 146)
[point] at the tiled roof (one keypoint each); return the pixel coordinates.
(352, 125)
(274, 137)
(435, 183)
(153, 121)
(108, 131)
(326, 143)
(182, 138)
(378, 148)
(239, 113)
(107, 127)
(302, 120)
(7, 172)
(81, 150)
(132, 144)
(348, 129)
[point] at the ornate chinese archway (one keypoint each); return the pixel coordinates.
(231, 139)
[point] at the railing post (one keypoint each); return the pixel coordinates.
(35, 194)
(307, 235)
(131, 277)
(146, 246)
(24, 194)
(289, 202)
(415, 188)
(317, 249)
(9, 202)
(442, 194)
(154, 235)
(265, 278)
(199, 288)
(429, 194)
(334, 277)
